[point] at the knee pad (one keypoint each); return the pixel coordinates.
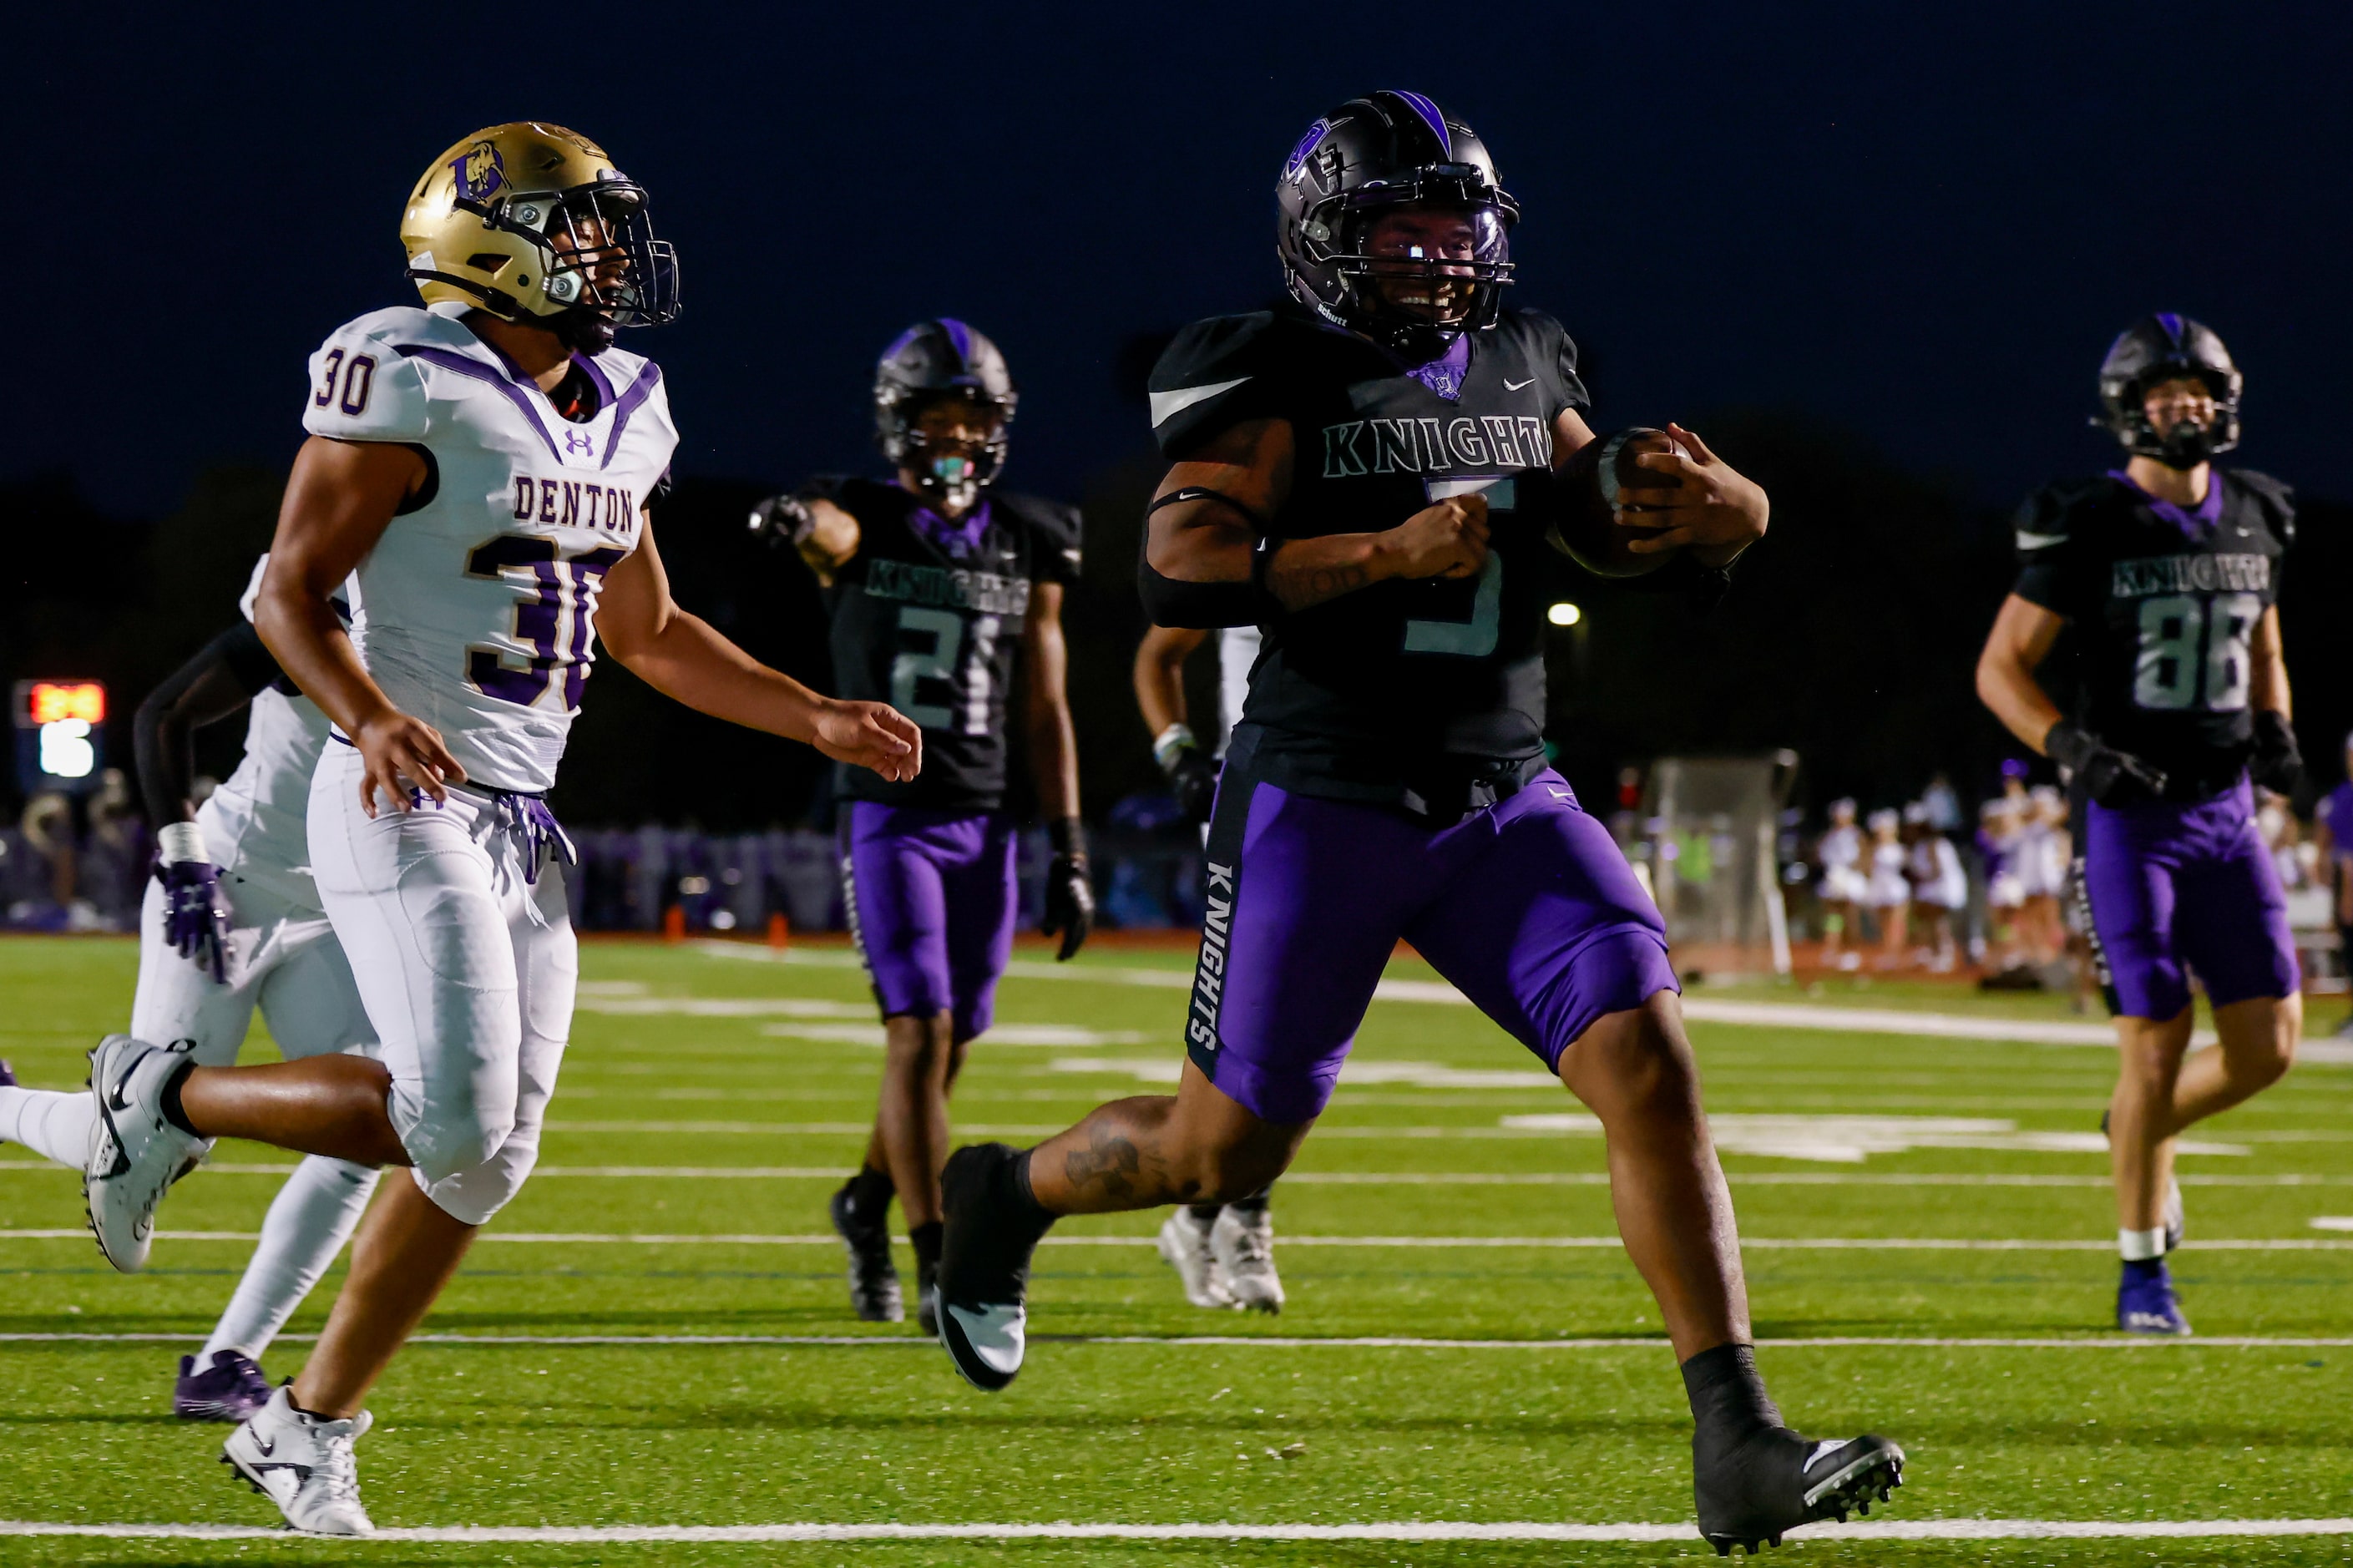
(474, 1196)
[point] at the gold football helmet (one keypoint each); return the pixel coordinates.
(531, 222)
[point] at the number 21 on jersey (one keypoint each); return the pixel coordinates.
(938, 662)
(2195, 651)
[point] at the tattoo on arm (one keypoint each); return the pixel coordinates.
(1300, 587)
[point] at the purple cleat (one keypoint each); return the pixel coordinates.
(2145, 1303)
(229, 1390)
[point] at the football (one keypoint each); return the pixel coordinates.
(1585, 497)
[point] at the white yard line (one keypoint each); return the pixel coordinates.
(1542, 1243)
(1287, 1342)
(1402, 1530)
(1380, 1178)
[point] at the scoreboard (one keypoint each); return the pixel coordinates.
(60, 734)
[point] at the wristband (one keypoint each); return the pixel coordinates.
(1173, 742)
(180, 842)
(1070, 838)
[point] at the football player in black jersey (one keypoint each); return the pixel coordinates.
(1370, 478)
(936, 581)
(2168, 570)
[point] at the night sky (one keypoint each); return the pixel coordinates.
(1921, 224)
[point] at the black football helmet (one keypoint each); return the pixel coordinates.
(2167, 347)
(928, 362)
(1375, 153)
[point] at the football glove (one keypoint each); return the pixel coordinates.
(1070, 896)
(1192, 773)
(2108, 776)
(782, 520)
(196, 915)
(2276, 765)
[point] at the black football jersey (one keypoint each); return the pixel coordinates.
(929, 619)
(2164, 603)
(1363, 696)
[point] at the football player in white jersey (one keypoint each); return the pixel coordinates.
(232, 922)
(483, 467)
(1223, 1252)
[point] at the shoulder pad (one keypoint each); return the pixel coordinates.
(2276, 497)
(1549, 348)
(363, 388)
(2052, 516)
(1215, 374)
(1059, 529)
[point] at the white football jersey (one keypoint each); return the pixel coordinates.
(254, 824)
(477, 609)
(1236, 651)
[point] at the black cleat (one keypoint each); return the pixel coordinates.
(979, 1299)
(873, 1278)
(1777, 1480)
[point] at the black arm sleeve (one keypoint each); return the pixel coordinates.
(207, 688)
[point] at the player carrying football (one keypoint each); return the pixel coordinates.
(483, 467)
(936, 582)
(1369, 478)
(2168, 570)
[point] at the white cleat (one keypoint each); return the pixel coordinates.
(304, 1464)
(1243, 1244)
(1185, 1244)
(135, 1154)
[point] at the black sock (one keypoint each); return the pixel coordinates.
(1204, 1213)
(1728, 1395)
(172, 1111)
(1018, 1193)
(926, 1240)
(870, 1192)
(1256, 1203)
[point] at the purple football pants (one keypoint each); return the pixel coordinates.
(931, 897)
(2179, 887)
(1527, 906)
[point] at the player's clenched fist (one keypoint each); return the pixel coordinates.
(872, 735)
(1447, 540)
(404, 756)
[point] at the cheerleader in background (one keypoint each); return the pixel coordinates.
(1888, 891)
(1842, 888)
(1940, 888)
(1998, 841)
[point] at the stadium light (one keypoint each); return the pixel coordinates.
(1563, 614)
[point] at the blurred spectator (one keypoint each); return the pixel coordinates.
(1843, 889)
(1887, 890)
(1944, 807)
(115, 860)
(1940, 888)
(2000, 835)
(2045, 854)
(44, 885)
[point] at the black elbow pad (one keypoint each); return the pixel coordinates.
(1200, 606)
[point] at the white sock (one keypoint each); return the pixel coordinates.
(52, 1124)
(2140, 1246)
(309, 1221)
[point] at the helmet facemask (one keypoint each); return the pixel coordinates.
(951, 443)
(1415, 287)
(2155, 351)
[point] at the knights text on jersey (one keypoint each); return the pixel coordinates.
(2164, 604)
(477, 608)
(1363, 695)
(928, 616)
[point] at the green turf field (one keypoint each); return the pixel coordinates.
(1936, 1204)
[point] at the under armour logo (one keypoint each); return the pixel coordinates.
(580, 441)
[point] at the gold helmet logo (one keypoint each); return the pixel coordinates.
(479, 172)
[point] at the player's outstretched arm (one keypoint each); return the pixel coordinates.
(340, 499)
(824, 535)
(679, 655)
(1244, 475)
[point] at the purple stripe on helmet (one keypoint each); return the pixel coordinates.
(899, 344)
(449, 359)
(1430, 114)
(961, 336)
(639, 390)
(2172, 325)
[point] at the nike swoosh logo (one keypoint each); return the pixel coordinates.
(1822, 1450)
(1561, 794)
(1516, 385)
(266, 1449)
(1166, 405)
(2039, 541)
